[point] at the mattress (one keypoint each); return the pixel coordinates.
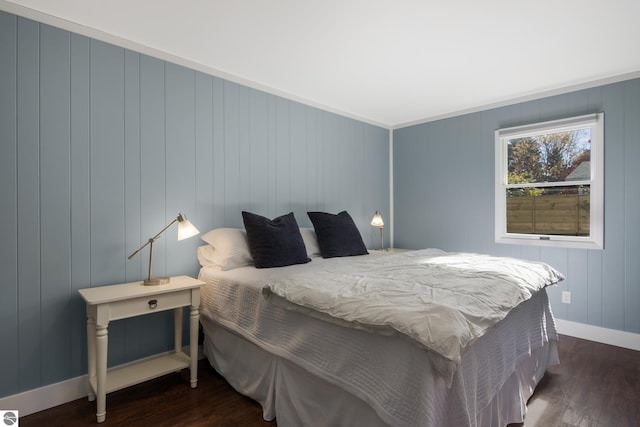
(396, 380)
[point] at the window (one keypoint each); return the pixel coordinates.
(550, 183)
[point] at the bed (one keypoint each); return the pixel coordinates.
(311, 363)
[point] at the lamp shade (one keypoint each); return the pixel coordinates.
(377, 220)
(185, 228)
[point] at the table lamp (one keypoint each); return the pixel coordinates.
(378, 222)
(185, 230)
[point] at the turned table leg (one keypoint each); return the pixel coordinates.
(102, 342)
(91, 353)
(194, 317)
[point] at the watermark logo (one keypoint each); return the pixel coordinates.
(9, 418)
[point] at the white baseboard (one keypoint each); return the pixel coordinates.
(598, 334)
(39, 399)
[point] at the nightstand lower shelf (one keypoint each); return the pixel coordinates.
(125, 376)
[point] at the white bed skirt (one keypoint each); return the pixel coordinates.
(300, 398)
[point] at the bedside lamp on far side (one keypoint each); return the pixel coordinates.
(378, 222)
(185, 230)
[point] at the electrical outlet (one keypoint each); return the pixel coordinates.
(566, 297)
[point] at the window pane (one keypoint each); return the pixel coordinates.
(549, 211)
(550, 157)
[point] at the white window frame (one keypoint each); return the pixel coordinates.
(596, 238)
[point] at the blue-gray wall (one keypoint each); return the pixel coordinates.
(444, 197)
(100, 147)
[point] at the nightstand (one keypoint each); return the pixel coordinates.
(106, 303)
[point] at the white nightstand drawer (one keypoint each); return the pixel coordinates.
(148, 304)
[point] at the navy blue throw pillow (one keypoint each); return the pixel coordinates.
(338, 235)
(274, 243)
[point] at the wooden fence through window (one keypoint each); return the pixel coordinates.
(561, 214)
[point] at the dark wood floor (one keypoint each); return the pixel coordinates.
(165, 401)
(595, 385)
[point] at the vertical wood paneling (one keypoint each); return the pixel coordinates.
(9, 331)
(203, 216)
(313, 164)
(554, 106)
(604, 285)
(181, 173)
(614, 235)
(579, 102)
(556, 257)
(232, 154)
(153, 188)
(107, 173)
(454, 150)
(244, 148)
(378, 174)
(135, 268)
(578, 285)
(478, 152)
(258, 166)
(28, 92)
(321, 197)
(356, 150)
(436, 198)
(595, 283)
(331, 156)
(101, 149)
(632, 204)
(342, 165)
(55, 198)
(80, 195)
(530, 112)
(107, 162)
(219, 164)
(152, 159)
(366, 179)
(283, 160)
(132, 196)
(181, 154)
(298, 167)
(272, 156)
(407, 159)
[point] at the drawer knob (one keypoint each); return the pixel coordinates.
(153, 304)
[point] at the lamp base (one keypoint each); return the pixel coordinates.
(155, 281)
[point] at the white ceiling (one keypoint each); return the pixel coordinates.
(388, 62)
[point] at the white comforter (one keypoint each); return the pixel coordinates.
(442, 300)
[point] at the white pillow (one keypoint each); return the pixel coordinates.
(206, 256)
(310, 241)
(229, 249)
